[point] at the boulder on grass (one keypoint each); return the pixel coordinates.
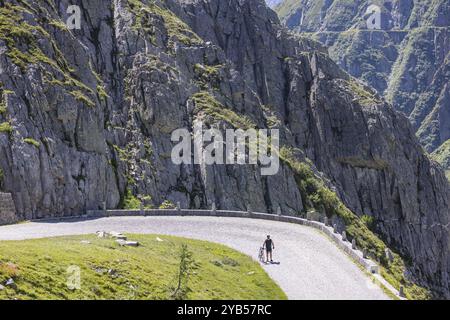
(125, 243)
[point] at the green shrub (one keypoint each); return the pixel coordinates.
(148, 202)
(368, 221)
(130, 202)
(207, 75)
(5, 127)
(186, 268)
(205, 102)
(167, 204)
(3, 109)
(80, 96)
(365, 97)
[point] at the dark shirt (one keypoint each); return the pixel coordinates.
(268, 244)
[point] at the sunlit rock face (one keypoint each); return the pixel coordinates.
(407, 60)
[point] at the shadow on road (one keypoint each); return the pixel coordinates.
(65, 220)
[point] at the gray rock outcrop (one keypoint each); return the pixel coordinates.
(7, 209)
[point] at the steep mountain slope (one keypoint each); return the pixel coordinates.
(88, 116)
(442, 155)
(408, 61)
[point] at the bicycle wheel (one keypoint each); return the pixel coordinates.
(261, 255)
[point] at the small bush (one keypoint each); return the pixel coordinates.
(208, 104)
(130, 202)
(186, 267)
(368, 221)
(148, 202)
(3, 109)
(5, 127)
(217, 263)
(167, 204)
(80, 96)
(225, 262)
(230, 262)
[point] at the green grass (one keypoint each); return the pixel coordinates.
(130, 201)
(24, 47)
(80, 96)
(364, 96)
(5, 127)
(33, 142)
(101, 89)
(207, 104)
(207, 76)
(177, 30)
(58, 24)
(108, 271)
(442, 155)
(3, 108)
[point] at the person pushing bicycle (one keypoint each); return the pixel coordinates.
(269, 245)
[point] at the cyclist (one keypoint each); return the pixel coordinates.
(269, 246)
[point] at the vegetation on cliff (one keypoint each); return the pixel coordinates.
(442, 155)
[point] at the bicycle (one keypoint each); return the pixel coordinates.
(261, 254)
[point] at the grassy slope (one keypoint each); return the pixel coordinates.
(286, 7)
(39, 268)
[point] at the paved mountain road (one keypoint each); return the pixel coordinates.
(311, 266)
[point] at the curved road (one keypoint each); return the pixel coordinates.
(311, 266)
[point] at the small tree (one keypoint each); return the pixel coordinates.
(186, 267)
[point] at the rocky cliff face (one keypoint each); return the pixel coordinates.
(88, 116)
(408, 60)
(7, 209)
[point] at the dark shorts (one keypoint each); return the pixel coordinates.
(269, 250)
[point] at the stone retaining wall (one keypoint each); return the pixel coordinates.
(7, 209)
